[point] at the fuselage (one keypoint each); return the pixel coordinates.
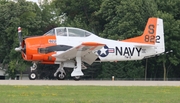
(113, 50)
(41, 48)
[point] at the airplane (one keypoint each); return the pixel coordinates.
(72, 47)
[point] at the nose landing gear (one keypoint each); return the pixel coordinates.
(33, 74)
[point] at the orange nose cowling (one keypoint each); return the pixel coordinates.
(32, 53)
(37, 57)
(32, 45)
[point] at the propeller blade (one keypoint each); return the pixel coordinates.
(20, 40)
(19, 35)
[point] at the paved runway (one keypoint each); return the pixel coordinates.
(90, 82)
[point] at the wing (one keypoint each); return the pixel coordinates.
(85, 50)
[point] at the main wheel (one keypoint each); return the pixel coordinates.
(60, 76)
(32, 76)
(77, 78)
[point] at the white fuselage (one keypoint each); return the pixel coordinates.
(112, 51)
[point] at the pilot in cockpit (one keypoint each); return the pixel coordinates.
(61, 32)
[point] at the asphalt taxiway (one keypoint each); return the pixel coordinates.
(90, 82)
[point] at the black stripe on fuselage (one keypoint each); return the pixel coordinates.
(54, 48)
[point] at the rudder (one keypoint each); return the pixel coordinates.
(159, 44)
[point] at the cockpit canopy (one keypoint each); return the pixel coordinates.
(50, 32)
(68, 31)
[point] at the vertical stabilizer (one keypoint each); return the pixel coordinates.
(153, 35)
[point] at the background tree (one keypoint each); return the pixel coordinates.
(13, 15)
(171, 29)
(81, 12)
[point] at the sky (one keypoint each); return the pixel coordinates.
(33, 0)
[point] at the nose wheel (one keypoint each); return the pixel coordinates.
(33, 75)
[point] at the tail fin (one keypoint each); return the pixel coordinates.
(153, 35)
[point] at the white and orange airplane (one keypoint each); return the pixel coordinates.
(71, 47)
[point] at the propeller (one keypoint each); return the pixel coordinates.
(19, 35)
(20, 40)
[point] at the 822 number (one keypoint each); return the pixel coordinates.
(152, 39)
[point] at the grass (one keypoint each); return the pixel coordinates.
(88, 94)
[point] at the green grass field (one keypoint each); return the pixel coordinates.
(89, 94)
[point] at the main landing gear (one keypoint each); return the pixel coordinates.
(60, 73)
(33, 74)
(77, 72)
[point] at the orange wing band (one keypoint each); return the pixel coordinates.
(92, 44)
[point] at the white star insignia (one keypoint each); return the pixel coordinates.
(103, 51)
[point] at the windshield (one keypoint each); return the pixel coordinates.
(50, 32)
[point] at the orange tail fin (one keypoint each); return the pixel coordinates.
(149, 35)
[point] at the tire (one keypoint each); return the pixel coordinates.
(32, 75)
(60, 76)
(77, 78)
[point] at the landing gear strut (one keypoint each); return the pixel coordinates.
(60, 73)
(33, 74)
(77, 69)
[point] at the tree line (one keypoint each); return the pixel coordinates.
(117, 19)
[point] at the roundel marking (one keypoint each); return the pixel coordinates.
(104, 51)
